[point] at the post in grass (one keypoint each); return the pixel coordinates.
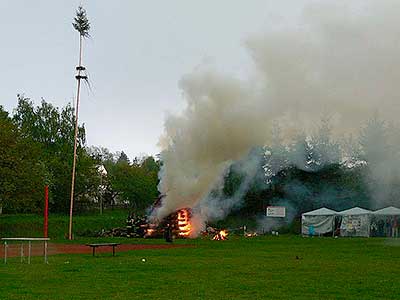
(82, 25)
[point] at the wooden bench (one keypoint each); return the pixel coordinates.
(94, 246)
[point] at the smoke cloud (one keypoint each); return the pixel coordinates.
(340, 60)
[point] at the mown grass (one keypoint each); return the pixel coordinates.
(83, 225)
(256, 268)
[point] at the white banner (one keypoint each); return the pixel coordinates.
(276, 211)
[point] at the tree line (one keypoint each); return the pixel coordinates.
(307, 172)
(319, 169)
(36, 149)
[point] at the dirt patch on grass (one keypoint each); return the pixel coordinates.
(14, 250)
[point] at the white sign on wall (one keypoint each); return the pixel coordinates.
(276, 211)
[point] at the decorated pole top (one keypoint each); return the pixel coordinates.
(81, 22)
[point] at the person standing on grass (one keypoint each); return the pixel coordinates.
(168, 233)
(388, 227)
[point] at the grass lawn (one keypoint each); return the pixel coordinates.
(256, 268)
(24, 225)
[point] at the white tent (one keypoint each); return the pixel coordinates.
(318, 222)
(388, 211)
(355, 222)
(385, 222)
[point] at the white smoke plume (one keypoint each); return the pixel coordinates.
(341, 59)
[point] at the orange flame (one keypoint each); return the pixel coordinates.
(184, 225)
(220, 236)
(149, 232)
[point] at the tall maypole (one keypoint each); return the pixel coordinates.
(82, 25)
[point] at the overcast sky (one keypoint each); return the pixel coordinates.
(138, 52)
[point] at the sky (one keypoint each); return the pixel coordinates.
(136, 56)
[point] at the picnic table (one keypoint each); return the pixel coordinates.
(96, 245)
(29, 240)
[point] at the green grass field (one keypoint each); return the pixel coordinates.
(21, 225)
(255, 268)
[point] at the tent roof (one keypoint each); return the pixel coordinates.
(354, 211)
(388, 211)
(323, 211)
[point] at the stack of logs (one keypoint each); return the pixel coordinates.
(115, 232)
(136, 226)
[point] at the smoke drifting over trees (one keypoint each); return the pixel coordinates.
(340, 63)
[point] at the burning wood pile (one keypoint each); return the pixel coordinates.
(152, 231)
(178, 222)
(221, 235)
(215, 234)
(184, 227)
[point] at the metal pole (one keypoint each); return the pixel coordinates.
(5, 251)
(22, 251)
(45, 252)
(75, 139)
(333, 226)
(46, 210)
(101, 194)
(369, 226)
(29, 252)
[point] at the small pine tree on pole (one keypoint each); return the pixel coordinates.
(82, 25)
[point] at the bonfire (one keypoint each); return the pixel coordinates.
(183, 222)
(221, 235)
